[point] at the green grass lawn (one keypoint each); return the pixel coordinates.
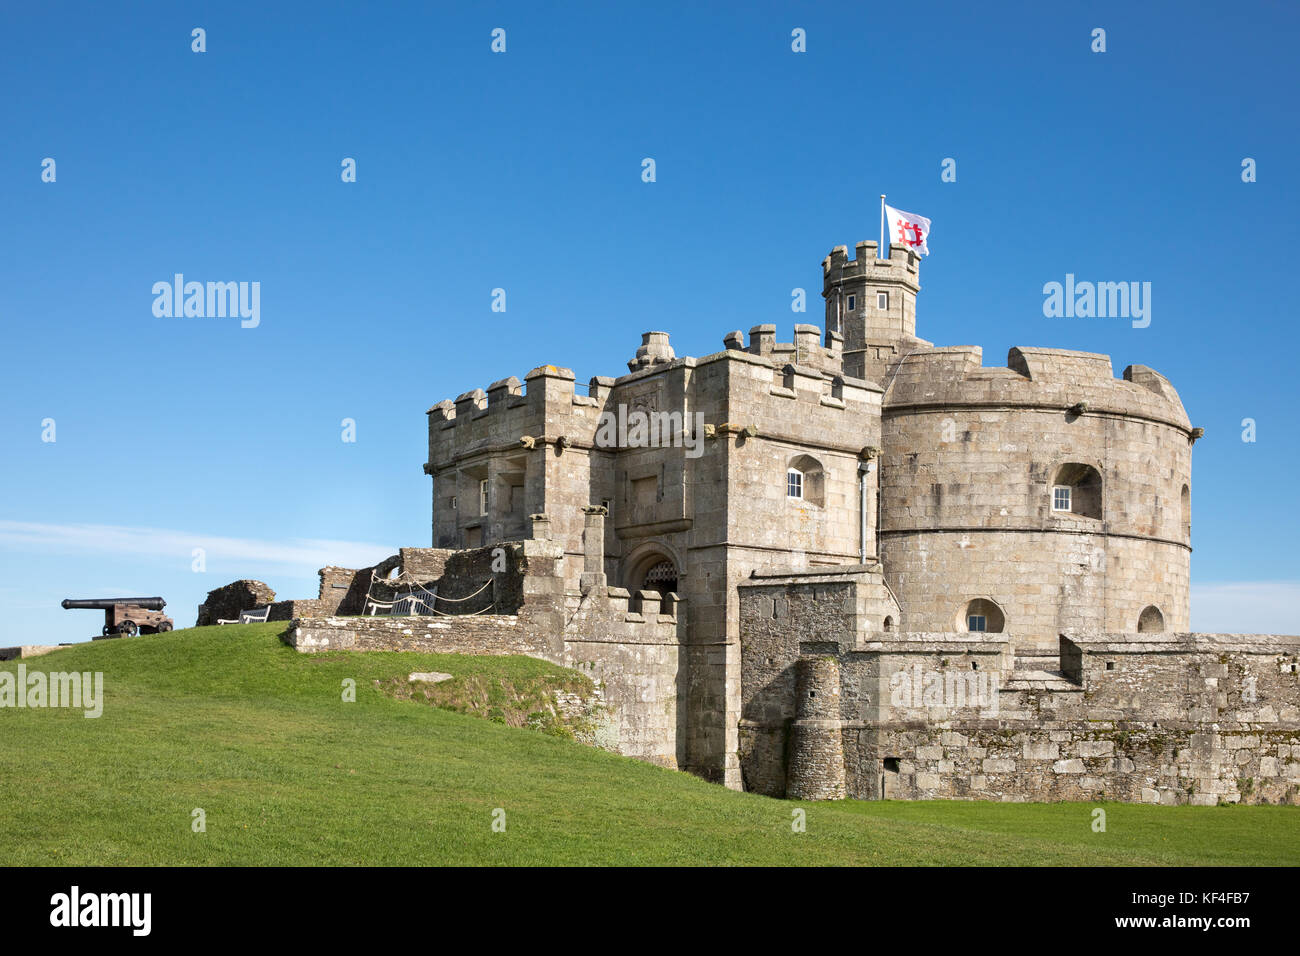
(231, 721)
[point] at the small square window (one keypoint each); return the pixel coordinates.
(882, 300)
(1061, 498)
(794, 484)
(853, 302)
(976, 622)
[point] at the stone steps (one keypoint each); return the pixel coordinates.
(1037, 662)
(1026, 678)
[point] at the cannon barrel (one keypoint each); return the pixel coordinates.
(103, 604)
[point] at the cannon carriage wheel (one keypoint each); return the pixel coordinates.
(128, 629)
(164, 627)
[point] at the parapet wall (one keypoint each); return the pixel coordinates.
(1051, 378)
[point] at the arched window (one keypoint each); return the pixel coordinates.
(1150, 620)
(889, 622)
(1076, 489)
(805, 480)
(1186, 500)
(981, 615)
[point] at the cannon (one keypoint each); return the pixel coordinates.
(128, 616)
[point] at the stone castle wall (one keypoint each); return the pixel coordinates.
(1167, 718)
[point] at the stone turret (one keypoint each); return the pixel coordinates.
(816, 769)
(871, 305)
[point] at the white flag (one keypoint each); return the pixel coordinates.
(908, 229)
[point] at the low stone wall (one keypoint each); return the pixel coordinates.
(477, 634)
(26, 650)
(291, 610)
(1138, 762)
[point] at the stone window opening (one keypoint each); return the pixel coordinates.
(1110, 665)
(1077, 490)
(483, 487)
(981, 615)
(882, 301)
(1185, 499)
(889, 622)
(1151, 620)
(805, 480)
(452, 503)
(853, 302)
(891, 764)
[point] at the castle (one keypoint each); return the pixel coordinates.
(854, 564)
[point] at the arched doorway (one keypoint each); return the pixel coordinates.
(661, 577)
(654, 569)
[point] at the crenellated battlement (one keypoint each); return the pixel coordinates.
(1078, 382)
(903, 265)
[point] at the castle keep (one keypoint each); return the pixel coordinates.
(851, 564)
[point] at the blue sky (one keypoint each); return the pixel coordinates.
(522, 171)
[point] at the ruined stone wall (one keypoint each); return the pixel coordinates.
(225, 602)
(970, 456)
(342, 591)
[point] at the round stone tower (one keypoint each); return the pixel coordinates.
(1037, 499)
(816, 768)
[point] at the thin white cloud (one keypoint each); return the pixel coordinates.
(1246, 607)
(306, 554)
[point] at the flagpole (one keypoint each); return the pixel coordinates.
(881, 248)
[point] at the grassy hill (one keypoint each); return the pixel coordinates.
(231, 721)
